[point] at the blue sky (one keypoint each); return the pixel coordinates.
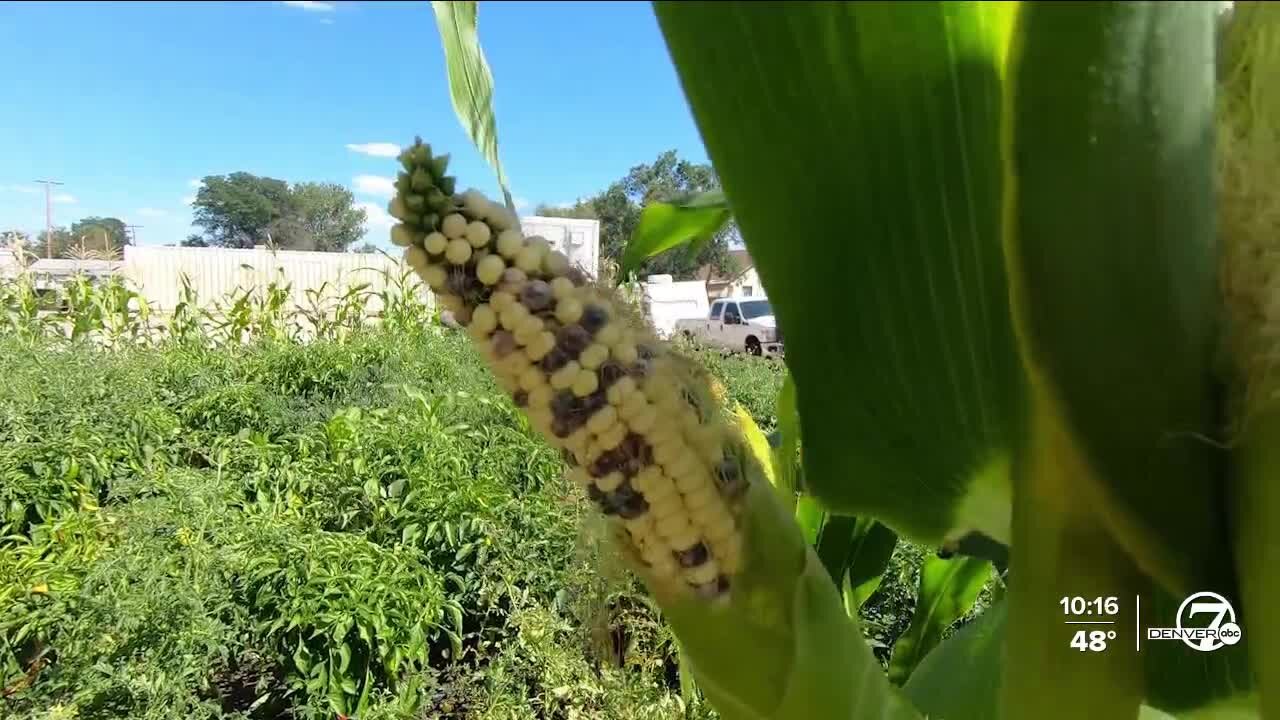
(128, 103)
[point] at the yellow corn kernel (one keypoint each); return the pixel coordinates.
(603, 419)
(435, 243)
(708, 442)
(529, 259)
(609, 334)
(509, 243)
(626, 353)
(555, 264)
(477, 233)
(633, 406)
(666, 454)
(454, 226)
(620, 390)
(416, 258)
(475, 203)
(540, 397)
(585, 383)
(501, 300)
(515, 364)
(644, 420)
(577, 442)
(540, 420)
(699, 500)
(646, 480)
(663, 434)
(512, 315)
(568, 311)
(684, 538)
(528, 329)
(684, 464)
(561, 287)
(579, 476)
(434, 276)
(609, 482)
(458, 252)
(563, 378)
(483, 319)
(612, 437)
(532, 379)
(489, 270)
(541, 345)
(690, 483)
(593, 356)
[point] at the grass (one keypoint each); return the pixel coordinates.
(360, 525)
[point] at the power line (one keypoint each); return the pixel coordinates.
(48, 214)
(133, 233)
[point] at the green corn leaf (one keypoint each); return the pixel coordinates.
(664, 226)
(470, 81)
(948, 588)
(787, 454)
(834, 543)
(1113, 255)
(960, 678)
(873, 547)
(877, 234)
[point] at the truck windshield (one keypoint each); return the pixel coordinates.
(755, 308)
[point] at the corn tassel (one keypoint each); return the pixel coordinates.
(648, 437)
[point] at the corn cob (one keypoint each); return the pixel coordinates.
(640, 428)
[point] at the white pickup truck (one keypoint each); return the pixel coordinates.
(737, 323)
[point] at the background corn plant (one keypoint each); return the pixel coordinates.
(1019, 203)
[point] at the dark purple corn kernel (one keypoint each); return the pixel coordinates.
(554, 360)
(536, 296)
(513, 276)
(521, 398)
(638, 370)
(502, 343)
(595, 494)
(561, 428)
(593, 402)
(460, 283)
(610, 372)
(573, 339)
(644, 352)
(563, 404)
(576, 276)
(692, 401)
(463, 315)
(630, 504)
(693, 557)
(713, 589)
(593, 318)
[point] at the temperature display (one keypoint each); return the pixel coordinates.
(1092, 640)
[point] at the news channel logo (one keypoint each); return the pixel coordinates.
(1219, 631)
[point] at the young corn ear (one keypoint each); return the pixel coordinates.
(647, 436)
(1249, 211)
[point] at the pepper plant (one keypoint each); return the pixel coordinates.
(1056, 227)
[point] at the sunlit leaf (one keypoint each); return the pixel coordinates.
(664, 226)
(960, 678)
(873, 547)
(866, 182)
(947, 590)
(470, 81)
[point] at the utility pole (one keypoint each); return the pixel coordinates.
(48, 214)
(133, 233)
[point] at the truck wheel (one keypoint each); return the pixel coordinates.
(753, 346)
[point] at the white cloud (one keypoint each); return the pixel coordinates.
(374, 185)
(379, 218)
(151, 212)
(194, 183)
(376, 149)
(310, 5)
(65, 199)
(521, 203)
(188, 200)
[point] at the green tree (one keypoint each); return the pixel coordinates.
(618, 207)
(102, 234)
(194, 240)
(329, 215)
(241, 210)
